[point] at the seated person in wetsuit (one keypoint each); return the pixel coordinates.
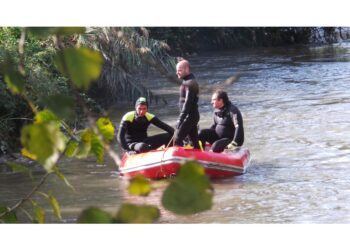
(132, 134)
(227, 130)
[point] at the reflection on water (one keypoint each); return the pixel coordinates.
(296, 108)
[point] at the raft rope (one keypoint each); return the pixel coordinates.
(165, 149)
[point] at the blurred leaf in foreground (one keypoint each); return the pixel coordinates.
(8, 217)
(190, 192)
(105, 126)
(94, 215)
(139, 185)
(81, 65)
(130, 213)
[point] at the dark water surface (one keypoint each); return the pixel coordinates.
(296, 108)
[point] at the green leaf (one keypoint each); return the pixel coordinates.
(89, 144)
(84, 146)
(97, 148)
(193, 173)
(63, 178)
(139, 185)
(45, 141)
(55, 206)
(81, 65)
(130, 213)
(36, 139)
(71, 149)
(10, 217)
(190, 192)
(60, 105)
(39, 213)
(105, 126)
(15, 81)
(16, 167)
(94, 215)
(13, 78)
(45, 116)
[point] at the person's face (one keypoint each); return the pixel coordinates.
(217, 103)
(141, 110)
(181, 71)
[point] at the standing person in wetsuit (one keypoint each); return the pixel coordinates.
(189, 116)
(132, 134)
(227, 129)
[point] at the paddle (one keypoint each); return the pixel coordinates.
(222, 84)
(148, 58)
(207, 88)
(232, 79)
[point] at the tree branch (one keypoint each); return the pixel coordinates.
(27, 197)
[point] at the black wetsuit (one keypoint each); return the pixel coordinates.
(189, 115)
(227, 127)
(132, 134)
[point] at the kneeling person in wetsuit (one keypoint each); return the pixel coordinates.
(227, 130)
(132, 134)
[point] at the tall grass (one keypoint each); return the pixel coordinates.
(126, 52)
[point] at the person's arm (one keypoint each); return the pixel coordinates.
(158, 123)
(121, 135)
(237, 123)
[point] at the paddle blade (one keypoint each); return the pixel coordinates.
(231, 79)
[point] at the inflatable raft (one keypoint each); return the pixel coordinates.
(165, 163)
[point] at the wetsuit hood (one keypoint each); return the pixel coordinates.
(188, 77)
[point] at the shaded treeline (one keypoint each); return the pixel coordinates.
(194, 39)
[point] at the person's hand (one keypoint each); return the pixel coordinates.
(232, 145)
(131, 152)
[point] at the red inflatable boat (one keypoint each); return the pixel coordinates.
(157, 164)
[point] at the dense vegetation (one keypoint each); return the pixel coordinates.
(42, 80)
(124, 50)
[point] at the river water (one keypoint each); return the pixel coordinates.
(296, 109)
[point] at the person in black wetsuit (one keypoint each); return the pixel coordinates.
(189, 116)
(227, 130)
(132, 134)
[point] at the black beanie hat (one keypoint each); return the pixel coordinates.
(141, 100)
